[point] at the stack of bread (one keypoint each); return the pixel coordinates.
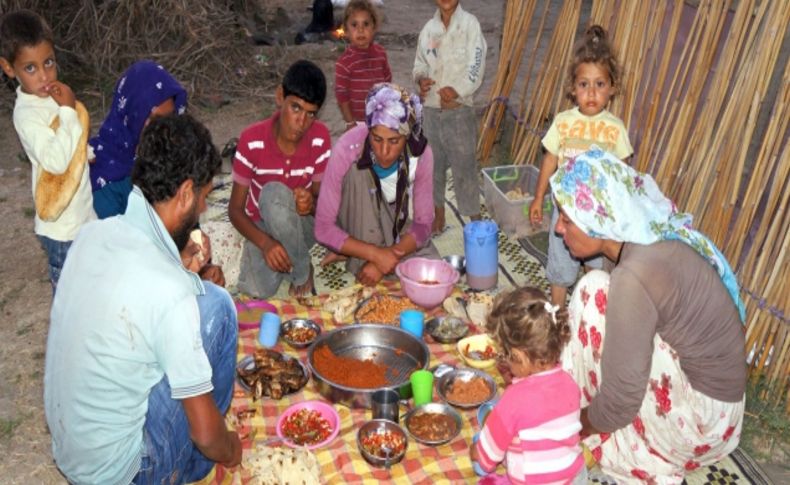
(278, 465)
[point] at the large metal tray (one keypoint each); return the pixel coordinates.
(384, 344)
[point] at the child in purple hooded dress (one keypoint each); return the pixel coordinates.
(146, 90)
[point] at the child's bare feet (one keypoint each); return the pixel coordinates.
(332, 257)
(305, 289)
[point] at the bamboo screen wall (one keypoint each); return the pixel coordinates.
(706, 97)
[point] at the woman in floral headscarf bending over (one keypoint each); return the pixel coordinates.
(657, 347)
(374, 169)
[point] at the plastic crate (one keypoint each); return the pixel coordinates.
(512, 216)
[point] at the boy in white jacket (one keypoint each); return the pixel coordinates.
(27, 54)
(448, 69)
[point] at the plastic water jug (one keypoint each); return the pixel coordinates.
(482, 256)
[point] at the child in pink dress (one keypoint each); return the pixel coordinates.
(534, 427)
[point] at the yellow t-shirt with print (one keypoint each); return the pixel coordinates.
(573, 133)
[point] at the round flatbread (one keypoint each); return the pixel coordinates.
(276, 465)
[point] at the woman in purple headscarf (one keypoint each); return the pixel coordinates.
(373, 172)
(144, 91)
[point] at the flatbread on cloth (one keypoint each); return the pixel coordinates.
(54, 192)
(277, 465)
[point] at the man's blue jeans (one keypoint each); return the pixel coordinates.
(170, 456)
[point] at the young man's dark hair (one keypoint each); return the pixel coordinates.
(173, 149)
(306, 81)
(22, 28)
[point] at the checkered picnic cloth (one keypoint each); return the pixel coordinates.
(341, 461)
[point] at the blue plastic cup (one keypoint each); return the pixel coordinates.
(270, 329)
(475, 465)
(412, 321)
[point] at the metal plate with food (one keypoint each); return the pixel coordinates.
(383, 309)
(350, 363)
(447, 330)
(465, 387)
(299, 332)
(433, 423)
(271, 373)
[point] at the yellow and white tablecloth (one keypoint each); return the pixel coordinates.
(341, 461)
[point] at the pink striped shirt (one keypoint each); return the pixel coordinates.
(356, 71)
(535, 425)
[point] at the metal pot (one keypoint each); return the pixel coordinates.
(399, 350)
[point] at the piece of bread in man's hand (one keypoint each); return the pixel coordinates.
(197, 238)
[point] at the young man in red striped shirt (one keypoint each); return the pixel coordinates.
(277, 173)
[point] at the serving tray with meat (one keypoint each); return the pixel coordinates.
(271, 373)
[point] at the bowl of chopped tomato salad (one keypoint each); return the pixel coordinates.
(309, 424)
(381, 442)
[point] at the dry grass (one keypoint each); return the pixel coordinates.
(203, 43)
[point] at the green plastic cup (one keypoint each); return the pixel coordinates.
(422, 386)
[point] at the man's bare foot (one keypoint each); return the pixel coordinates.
(438, 221)
(332, 257)
(305, 289)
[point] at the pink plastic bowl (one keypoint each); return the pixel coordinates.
(412, 271)
(327, 412)
(245, 306)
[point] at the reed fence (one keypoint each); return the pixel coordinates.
(706, 98)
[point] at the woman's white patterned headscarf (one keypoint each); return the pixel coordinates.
(607, 199)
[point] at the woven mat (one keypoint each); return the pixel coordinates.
(737, 468)
(517, 267)
(520, 263)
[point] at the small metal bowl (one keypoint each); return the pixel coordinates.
(447, 330)
(381, 426)
(458, 262)
(298, 323)
(433, 408)
(448, 379)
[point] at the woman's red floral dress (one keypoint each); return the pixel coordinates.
(677, 429)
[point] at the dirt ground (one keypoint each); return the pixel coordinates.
(25, 294)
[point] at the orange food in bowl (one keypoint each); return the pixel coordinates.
(482, 349)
